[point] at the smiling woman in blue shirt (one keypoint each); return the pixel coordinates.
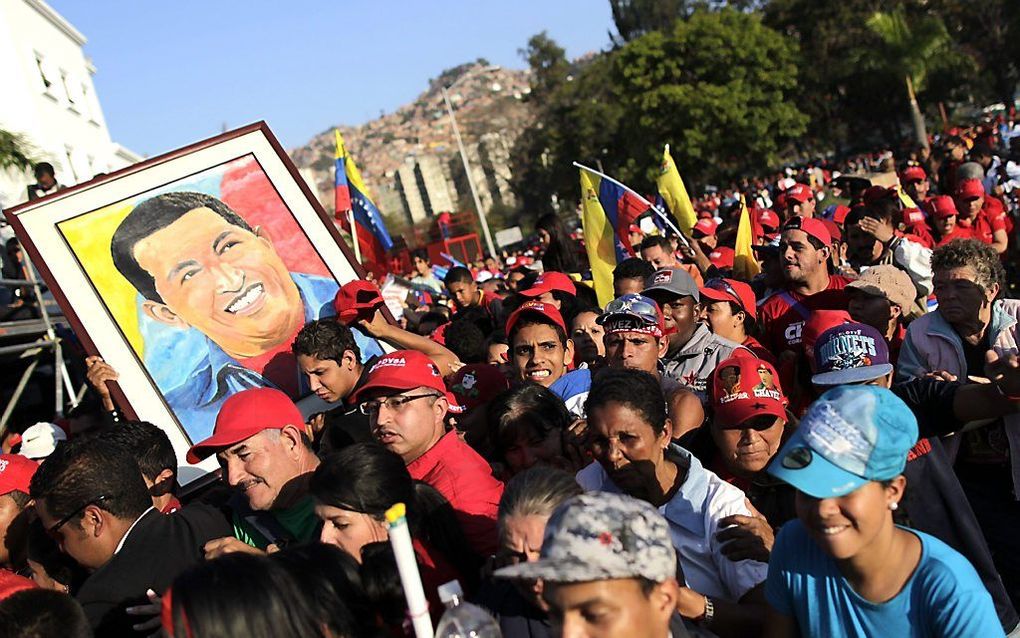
(843, 568)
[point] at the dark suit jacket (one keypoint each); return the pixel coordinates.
(158, 548)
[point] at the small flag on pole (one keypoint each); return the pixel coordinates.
(351, 195)
(745, 266)
(674, 193)
(601, 240)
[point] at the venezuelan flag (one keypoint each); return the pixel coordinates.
(745, 266)
(674, 193)
(350, 194)
(606, 209)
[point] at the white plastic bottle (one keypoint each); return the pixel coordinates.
(462, 619)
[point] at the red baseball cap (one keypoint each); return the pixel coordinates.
(839, 213)
(816, 324)
(941, 206)
(548, 282)
(799, 193)
(548, 311)
(476, 384)
(744, 387)
(16, 473)
(722, 257)
(245, 414)
(403, 370)
(731, 290)
(813, 227)
(912, 174)
(834, 232)
(357, 300)
(767, 219)
(970, 189)
(706, 227)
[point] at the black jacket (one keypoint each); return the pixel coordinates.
(159, 547)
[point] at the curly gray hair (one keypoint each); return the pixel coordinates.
(978, 255)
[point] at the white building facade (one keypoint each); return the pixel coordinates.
(48, 96)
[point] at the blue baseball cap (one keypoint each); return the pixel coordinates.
(851, 435)
(850, 353)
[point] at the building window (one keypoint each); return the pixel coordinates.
(85, 107)
(67, 89)
(42, 72)
(70, 163)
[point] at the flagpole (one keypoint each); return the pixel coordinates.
(354, 235)
(640, 197)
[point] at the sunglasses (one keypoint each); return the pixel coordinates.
(723, 286)
(647, 311)
(54, 529)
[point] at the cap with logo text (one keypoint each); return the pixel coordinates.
(850, 353)
(850, 436)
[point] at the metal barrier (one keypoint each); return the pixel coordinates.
(37, 350)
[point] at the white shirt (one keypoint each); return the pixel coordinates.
(693, 515)
(128, 532)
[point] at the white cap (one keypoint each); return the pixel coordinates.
(449, 591)
(39, 440)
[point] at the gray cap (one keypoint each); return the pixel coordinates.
(602, 536)
(674, 280)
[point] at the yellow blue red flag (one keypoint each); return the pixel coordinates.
(601, 203)
(350, 194)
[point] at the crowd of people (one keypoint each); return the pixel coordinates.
(825, 449)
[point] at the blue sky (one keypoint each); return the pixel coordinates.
(171, 73)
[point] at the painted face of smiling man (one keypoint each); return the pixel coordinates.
(206, 270)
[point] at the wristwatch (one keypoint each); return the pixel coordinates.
(706, 618)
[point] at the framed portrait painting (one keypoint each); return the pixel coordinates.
(191, 273)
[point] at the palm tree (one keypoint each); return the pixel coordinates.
(15, 152)
(912, 49)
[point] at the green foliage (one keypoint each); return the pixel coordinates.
(718, 87)
(911, 47)
(15, 152)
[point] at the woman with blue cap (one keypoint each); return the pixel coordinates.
(843, 568)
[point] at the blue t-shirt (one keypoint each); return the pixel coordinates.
(943, 597)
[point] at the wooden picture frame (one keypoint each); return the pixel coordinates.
(187, 303)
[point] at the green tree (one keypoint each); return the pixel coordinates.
(911, 49)
(15, 152)
(716, 86)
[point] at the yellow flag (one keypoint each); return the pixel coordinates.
(745, 266)
(673, 192)
(599, 238)
(906, 200)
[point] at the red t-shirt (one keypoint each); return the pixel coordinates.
(959, 232)
(11, 583)
(465, 479)
(783, 314)
(983, 225)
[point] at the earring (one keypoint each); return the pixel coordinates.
(894, 506)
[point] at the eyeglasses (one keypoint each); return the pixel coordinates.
(393, 404)
(52, 530)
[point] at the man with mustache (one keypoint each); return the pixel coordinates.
(219, 308)
(406, 402)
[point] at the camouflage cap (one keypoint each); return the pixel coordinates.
(601, 536)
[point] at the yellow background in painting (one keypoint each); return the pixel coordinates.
(89, 237)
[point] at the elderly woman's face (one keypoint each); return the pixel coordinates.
(960, 298)
(522, 543)
(627, 447)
